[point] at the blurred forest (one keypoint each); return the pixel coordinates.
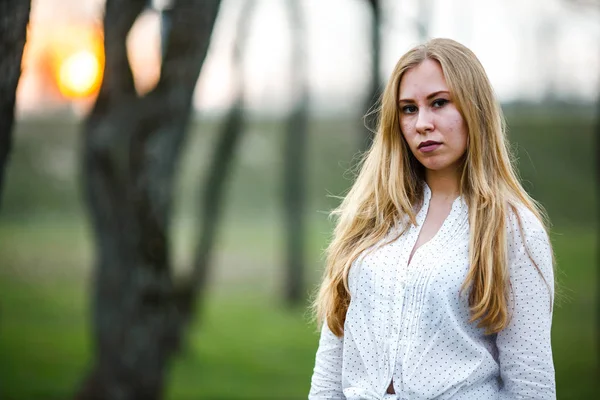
(243, 202)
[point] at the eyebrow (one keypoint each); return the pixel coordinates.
(432, 95)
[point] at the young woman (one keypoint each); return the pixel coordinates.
(439, 280)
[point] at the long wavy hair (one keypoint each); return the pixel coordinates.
(390, 184)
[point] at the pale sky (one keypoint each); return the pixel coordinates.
(506, 35)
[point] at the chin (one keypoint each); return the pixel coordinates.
(434, 166)
(429, 165)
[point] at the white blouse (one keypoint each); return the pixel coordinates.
(407, 323)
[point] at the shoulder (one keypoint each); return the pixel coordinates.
(523, 226)
(528, 243)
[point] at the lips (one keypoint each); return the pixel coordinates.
(428, 143)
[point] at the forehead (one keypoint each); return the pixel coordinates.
(422, 80)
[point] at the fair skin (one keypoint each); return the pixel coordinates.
(429, 114)
(436, 134)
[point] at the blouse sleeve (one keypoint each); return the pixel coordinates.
(327, 376)
(524, 347)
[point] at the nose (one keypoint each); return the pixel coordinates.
(424, 122)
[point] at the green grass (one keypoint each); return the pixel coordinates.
(246, 348)
(242, 346)
(43, 338)
(575, 328)
(245, 336)
(247, 345)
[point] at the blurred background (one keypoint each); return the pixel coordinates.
(302, 74)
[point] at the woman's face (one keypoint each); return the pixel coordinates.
(430, 121)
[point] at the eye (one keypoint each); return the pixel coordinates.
(409, 109)
(438, 103)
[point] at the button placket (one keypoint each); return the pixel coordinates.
(397, 316)
(395, 320)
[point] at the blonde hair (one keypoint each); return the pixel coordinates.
(390, 184)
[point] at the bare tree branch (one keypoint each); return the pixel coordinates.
(294, 157)
(374, 90)
(213, 189)
(14, 16)
(131, 148)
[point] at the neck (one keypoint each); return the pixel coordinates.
(444, 185)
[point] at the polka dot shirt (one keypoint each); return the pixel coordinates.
(407, 323)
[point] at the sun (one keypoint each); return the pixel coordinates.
(79, 74)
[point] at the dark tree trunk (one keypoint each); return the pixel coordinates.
(213, 190)
(14, 16)
(598, 194)
(294, 153)
(131, 148)
(374, 85)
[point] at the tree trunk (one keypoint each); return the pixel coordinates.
(597, 4)
(131, 147)
(294, 153)
(213, 190)
(14, 16)
(374, 92)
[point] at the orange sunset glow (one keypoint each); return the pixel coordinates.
(79, 74)
(62, 62)
(77, 59)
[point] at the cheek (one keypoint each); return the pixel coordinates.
(460, 132)
(406, 130)
(464, 135)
